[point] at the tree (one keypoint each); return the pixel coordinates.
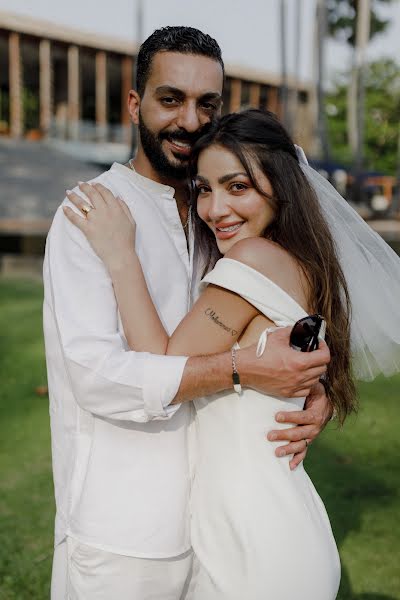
(356, 22)
(321, 24)
(342, 18)
(382, 99)
(283, 52)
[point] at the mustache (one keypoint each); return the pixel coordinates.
(183, 135)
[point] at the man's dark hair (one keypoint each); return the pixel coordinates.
(186, 40)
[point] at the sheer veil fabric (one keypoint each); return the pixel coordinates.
(372, 272)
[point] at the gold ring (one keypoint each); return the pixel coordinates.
(86, 209)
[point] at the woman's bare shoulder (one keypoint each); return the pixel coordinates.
(274, 262)
(261, 254)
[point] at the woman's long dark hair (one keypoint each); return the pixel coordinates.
(258, 139)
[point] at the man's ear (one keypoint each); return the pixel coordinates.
(133, 106)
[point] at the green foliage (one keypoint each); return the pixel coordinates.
(4, 105)
(382, 101)
(30, 103)
(342, 19)
(355, 469)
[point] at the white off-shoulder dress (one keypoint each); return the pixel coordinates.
(259, 530)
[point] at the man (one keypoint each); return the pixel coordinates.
(121, 468)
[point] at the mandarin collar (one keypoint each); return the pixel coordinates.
(144, 182)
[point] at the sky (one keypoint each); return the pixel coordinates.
(247, 30)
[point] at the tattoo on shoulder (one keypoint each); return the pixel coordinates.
(211, 314)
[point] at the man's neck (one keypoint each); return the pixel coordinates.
(143, 167)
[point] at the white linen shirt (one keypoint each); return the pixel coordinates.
(120, 464)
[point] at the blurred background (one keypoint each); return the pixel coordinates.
(330, 69)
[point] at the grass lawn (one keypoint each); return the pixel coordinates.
(354, 469)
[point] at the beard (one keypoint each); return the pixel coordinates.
(152, 147)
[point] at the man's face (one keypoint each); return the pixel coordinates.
(182, 95)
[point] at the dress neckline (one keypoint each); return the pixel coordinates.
(262, 276)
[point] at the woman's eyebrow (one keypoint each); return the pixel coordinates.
(202, 179)
(222, 179)
(229, 176)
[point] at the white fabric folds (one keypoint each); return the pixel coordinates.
(372, 272)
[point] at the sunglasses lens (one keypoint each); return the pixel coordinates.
(300, 336)
(304, 334)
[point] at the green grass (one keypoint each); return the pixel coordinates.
(356, 472)
(26, 489)
(355, 469)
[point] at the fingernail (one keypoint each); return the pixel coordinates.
(280, 417)
(280, 453)
(68, 192)
(272, 436)
(81, 182)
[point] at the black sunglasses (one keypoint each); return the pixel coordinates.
(304, 335)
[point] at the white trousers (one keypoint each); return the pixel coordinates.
(82, 572)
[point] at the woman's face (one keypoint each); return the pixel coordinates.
(227, 201)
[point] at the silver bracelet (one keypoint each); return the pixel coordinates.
(235, 375)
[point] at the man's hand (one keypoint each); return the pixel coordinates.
(310, 422)
(282, 371)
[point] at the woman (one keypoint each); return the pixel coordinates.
(259, 530)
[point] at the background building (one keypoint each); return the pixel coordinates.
(63, 114)
(66, 84)
(65, 73)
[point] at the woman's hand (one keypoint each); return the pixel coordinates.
(106, 221)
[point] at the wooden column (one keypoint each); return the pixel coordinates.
(101, 95)
(273, 103)
(255, 91)
(236, 95)
(73, 92)
(45, 86)
(16, 87)
(126, 86)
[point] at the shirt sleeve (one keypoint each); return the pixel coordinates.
(106, 377)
